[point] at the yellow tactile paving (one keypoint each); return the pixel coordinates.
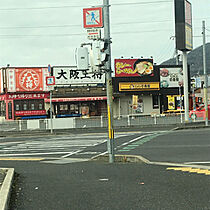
(190, 170)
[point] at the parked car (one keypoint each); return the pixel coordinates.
(199, 113)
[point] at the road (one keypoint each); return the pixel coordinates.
(56, 175)
(191, 146)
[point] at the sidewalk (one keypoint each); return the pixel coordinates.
(6, 178)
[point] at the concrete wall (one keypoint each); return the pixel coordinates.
(125, 106)
(61, 123)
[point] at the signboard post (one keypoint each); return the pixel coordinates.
(184, 41)
(50, 81)
(94, 33)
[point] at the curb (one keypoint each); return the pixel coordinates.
(123, 158)
(6, 188)
(141, 159)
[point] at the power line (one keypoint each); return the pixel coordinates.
(208, 29)
(75, 6)
(146, 2)
(79, 25)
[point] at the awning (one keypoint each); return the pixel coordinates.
(100, 98)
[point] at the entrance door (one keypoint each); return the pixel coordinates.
(10, 110)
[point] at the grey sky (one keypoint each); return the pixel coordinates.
(42, 32)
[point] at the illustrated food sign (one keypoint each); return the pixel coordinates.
(27, 79)
(171, 102)
(71, 76)
(171, 77)
(183, 25)
(134, 68)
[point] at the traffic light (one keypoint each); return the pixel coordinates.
(104, 54)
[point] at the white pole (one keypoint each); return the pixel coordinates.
(186, 88)
(180, 101)
(51, 121)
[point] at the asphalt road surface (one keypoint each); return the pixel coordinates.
(103, 186)
(53, 172)
(183, 146)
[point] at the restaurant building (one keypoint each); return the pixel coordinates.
(22, 92)
(136, 87)
(78, 93)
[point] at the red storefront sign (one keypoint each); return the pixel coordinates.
(134, 67)
(20, 96)
(1, 81)
(27, 79)
(28, 113)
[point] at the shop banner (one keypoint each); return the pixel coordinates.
(1, 82)
(138, 86)
(72, 76)
(171, 77)
(20, 96)
(29, 113)
(134, 68)
(27, 79)
(171, 102)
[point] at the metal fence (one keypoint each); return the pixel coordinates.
(91, 122)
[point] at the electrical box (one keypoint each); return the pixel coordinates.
(82, 58)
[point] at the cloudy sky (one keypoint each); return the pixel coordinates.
(42, 32)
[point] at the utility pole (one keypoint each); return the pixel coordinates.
(107, 40)
(205, 75)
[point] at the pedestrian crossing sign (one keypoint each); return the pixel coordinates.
(50, 80)
(93, 17)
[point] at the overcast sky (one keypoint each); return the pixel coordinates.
(42, 32)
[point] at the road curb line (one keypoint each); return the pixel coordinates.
(123, 158)
(6, 189)
(141, 159)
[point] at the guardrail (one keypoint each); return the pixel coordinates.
(90, 122)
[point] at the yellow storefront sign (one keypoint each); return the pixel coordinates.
(139, 86)
(171, 102)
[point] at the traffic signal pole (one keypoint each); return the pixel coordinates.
(107, 39)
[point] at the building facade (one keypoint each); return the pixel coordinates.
(23, 91)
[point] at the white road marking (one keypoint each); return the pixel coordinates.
(204, 162)
(72, 153)
(50, 146)
(133, 140)
(33, 154)
(126, 143)
(63, 145)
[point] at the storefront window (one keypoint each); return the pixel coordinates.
(17, 107)
(63, 107)
(40, 106)
(32, 107)
(2, 108)
(24, 107)
(155, 101)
